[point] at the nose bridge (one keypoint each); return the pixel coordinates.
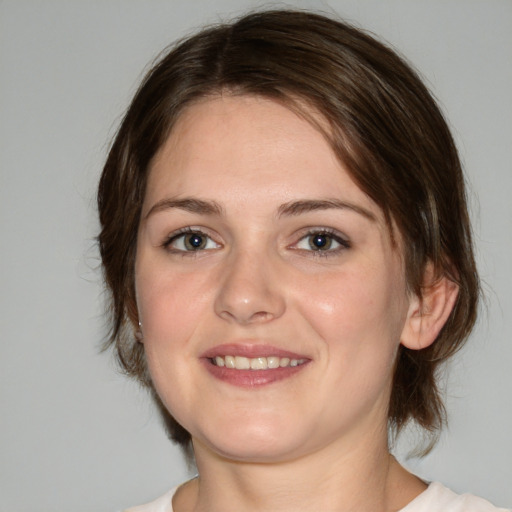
(249, 291)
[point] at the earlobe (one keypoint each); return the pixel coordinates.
(428, 314)
(138, 333)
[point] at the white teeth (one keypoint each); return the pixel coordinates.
(260, 363)
(242, 363)
(273, 362)
(256, 363)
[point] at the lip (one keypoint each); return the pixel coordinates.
(249, 350)
(251, 378)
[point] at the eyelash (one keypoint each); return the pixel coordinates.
(329, 234)
(344, 244)
(181, 233)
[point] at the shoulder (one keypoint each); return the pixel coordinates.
(162, 504)
(437, 497)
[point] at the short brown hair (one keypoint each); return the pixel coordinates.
(383, 125)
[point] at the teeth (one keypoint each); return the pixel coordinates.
(256, 363)
(260, 363)
(273, 362)
(242, 363)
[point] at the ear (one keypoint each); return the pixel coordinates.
(428, 314)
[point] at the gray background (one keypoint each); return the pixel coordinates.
(74, 435)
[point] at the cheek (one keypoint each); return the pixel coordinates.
(359, 317)
(355, 311)
(170, 305)
(342, 299)
(171, 310)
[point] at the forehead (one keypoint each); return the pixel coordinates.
(246, 142)
(240, 126)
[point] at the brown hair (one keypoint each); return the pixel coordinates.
(383, 125)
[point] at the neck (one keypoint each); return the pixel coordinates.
(361, 478)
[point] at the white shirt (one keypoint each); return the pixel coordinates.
(436, 498)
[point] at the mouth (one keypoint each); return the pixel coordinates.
(250, 366)
(255, 363)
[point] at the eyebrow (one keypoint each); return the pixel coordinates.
(309, 205)
(199, 206)
(292, 208)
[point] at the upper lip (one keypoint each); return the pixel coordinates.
(250, 350)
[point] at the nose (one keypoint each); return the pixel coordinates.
(250, 291)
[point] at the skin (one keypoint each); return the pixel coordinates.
(318, 439)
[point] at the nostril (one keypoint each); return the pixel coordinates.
(261, 315)
(247, 318)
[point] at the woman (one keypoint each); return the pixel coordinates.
(287, 245)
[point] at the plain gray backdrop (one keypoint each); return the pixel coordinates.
(75, 435)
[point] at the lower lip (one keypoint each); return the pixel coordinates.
(251, 378)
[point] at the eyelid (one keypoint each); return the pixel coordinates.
(338, 237)
(175, 235)
(341, 239)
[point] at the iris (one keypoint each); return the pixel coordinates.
(320, 242)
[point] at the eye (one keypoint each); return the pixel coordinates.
(322, 241)
(190, 241)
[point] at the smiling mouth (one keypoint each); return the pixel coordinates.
(255, 363)
(252, 365)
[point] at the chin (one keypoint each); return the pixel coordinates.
(257, 442)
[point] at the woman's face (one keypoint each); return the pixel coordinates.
(271, 298)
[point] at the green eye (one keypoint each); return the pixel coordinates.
(320, 241)
(194, 241)
(191, 241)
